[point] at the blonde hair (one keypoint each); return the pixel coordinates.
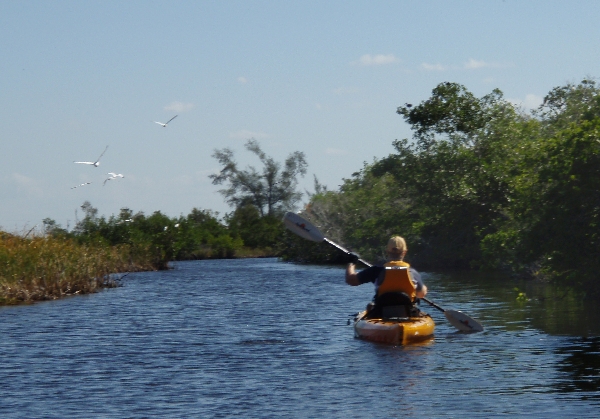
(396, 246)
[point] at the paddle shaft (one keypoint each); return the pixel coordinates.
(433, 304)
(346, 251)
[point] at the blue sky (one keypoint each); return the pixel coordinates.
(322, 77)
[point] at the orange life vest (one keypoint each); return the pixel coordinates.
(397, 278)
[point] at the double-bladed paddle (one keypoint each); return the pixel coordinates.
(298, 225)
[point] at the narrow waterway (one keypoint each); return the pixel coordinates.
(259, 338)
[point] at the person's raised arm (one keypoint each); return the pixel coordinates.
(351, 277)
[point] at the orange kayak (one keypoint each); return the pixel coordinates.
(395, 331)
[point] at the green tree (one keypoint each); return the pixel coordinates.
(569, 104)
(484, 185)
(445, 191)
(451, 112)
(552, 226)
(201, 235)
(87, 229)
(52, 229)
(255, 231)
(455, 175)
(271, 190)
(560, 228)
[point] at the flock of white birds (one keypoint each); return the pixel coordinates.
(111, 175)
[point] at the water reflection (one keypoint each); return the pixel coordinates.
(581, 367)
(515, 313)
(517, 304)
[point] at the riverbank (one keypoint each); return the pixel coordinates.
(48, 268)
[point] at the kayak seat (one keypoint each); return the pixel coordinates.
(392, 312)
(393, 299)
(393, 305)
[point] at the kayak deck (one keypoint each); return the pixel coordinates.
(397, 331)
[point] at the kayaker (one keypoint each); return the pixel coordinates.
(396, 250)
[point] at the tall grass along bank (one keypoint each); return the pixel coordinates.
(46, 268)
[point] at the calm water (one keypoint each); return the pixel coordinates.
(266, 339)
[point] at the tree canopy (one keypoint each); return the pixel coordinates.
(483, 184)
(271, 190)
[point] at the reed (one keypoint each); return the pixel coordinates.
(46, 268)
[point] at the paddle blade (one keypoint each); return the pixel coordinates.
(301, 227)
(463, 322)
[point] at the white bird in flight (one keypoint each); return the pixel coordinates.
(93, 163)
(83, 184)
(112, 176)
(164, 125)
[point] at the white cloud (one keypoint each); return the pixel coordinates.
(378, 59)
(242, 80)
(27, 184)
(245, 134)
(531, 101)
(179, 107)
(473, 64)
(433, 67)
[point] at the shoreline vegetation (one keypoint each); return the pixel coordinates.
(483, 185)
(52, 263)
(55, 262)
(48, 268)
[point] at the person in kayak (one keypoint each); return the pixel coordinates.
(394, 267)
